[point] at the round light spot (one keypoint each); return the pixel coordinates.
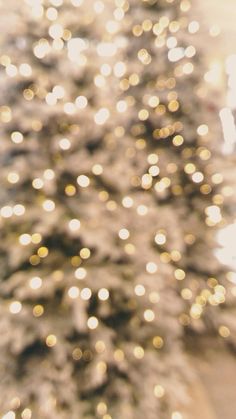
(65, 144)
(13, 177)
(103, 294)
(83, 181)
(159, 391)
(151, 267)
(37, 183)
(25, 239)
(35, 282)
(6, 211)
(15, 307)
(149, 315)
(48, 205)
(18, 209)
(160, 238)
(124, 234)
(202, 130)
(139, 290)
(38, 310)
(86, 293)
(97, 169)
(42, 252)
(127, 202)
(73, 292)
(142, 210)
(138, 352)
(101, 116)
(179, 274)
(51, 340)
(92, 322)
(81, 102)
(16, 137)
(58, 91)
(74, 224)
(85, 253)
(197, 177)
(80, 273)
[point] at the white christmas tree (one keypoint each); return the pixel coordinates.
(107, 209)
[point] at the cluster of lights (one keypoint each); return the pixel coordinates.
(107, 50)
(8, 211)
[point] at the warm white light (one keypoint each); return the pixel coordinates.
(92, 322)
(58, 91)
(9, 415)
(35, 282)
(171, 42)
(73, 292)
(13, 177)
(101, 116)
(25, 70)
(6, 211)
(83, 181)
(77, 45)
(74, 224)
(25, 239)
(37, 183)
(86, 293)
(112, 26)
(56, 31)
(42, 48)
(80, 273)
(119, 69)
(151, 267)
(51, 13)
(193, 27)
(149, 315)
(105, 69)
(197, 177)
(124, 234)
(49, 174)
(139, 290)
(103, 294)
(121, 106)
(48, 205)
(176, 54)
(214, 214)
(69, 108)
(16, 137)
(97, 169)
(11, 70)
(81, 102)
(15, 307)
(202, 130)
(127, 202)
(65, 144)
(214, 75)
(147, 181)
(160, 238)
(142, 210)
(18, 209)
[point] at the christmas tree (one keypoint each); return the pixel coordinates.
(107, 209)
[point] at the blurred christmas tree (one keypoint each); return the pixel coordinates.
(107, 208)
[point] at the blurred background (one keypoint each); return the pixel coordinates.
(117, 209)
